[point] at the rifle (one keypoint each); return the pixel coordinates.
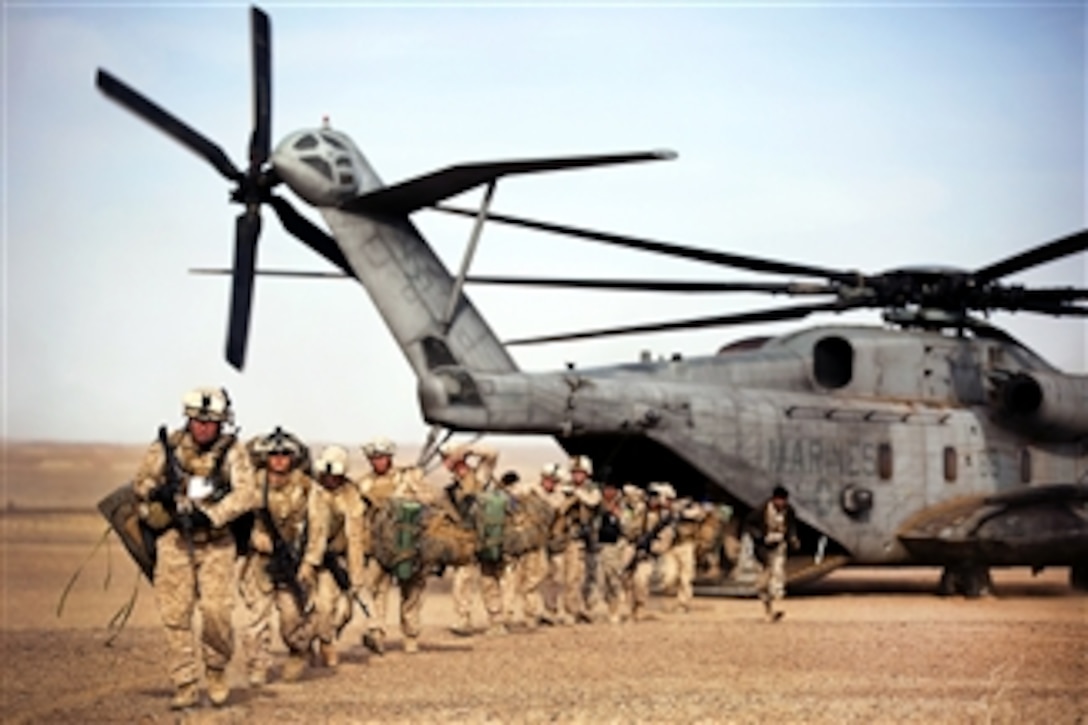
(331, 562)
(167, 495)
(284, 563)
(642, 546)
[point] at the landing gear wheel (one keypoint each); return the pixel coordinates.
(1078, 577)
(970, 580)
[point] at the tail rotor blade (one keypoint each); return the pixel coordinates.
(260, 141)
(247, 230)
(310, 234)
(167, 123)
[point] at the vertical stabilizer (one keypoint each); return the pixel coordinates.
(411, 289)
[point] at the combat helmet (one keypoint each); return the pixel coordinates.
(582, 463)
(208, 404)
(332, 461)
(379, 447)
(279, 441)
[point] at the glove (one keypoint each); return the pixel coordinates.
(200, 519)
(307, 576)
(155, 515)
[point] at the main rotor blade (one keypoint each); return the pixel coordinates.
(743, 318)
(261, 38)
(168, 123)
(291, 273)
(725, 259)
(247, 229)
(1056, 249)
(1058, 310)
(657, 285)
(310, 234)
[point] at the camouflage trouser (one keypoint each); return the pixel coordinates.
(465, 582)
(524, 579)
(491, 587)
(332, 607)
(411, 599)
(771, 583)
(611, 560)
(574, 578)
(677, 568)
(640, 584)
(262, 597)
(552, 584)
(177, 578)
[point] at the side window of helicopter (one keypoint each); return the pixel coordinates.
(884, 464)
(950, 467)
(833, 362)
(1025, 465)
(306, 143)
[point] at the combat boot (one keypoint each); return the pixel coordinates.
(463, 628)
(295, 666)
(258, 677)
(411, 645)
(328, 654)
(497, 630)
(218, 688)
(374, 640)
(185, 696)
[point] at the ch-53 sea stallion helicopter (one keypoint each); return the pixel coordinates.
(940, 440)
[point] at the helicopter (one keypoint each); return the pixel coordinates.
(937, 439)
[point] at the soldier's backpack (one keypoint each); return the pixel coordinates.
(490, 521)
(406, 527)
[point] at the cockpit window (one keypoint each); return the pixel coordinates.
(347, 179)
(343, 161)
(306, 143)
(320, 165)
(333, 142)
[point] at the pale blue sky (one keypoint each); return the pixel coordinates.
(856, 137)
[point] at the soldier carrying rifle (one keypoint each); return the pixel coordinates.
(287, 546)
(192, 483)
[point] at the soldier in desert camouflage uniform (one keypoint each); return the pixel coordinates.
(657, 539)
(195, 552)
(384, 483)
(579, 509)
(473, 468)
(293, 510)
(527, 572)
(551, 489)
(773, 528)
(341, 577)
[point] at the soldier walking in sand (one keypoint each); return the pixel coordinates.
(191, 485)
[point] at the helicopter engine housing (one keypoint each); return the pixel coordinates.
(1055, 405)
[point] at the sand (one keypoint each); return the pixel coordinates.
(862, 645)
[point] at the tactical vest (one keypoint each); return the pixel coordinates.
(209, 465)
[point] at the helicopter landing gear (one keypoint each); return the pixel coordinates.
(1078, 577)
(970, 580)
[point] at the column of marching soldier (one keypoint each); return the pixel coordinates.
(299, 539)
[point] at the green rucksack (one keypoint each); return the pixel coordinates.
(490, 520)
(406, 526)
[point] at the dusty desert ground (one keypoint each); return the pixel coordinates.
(861, 646)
